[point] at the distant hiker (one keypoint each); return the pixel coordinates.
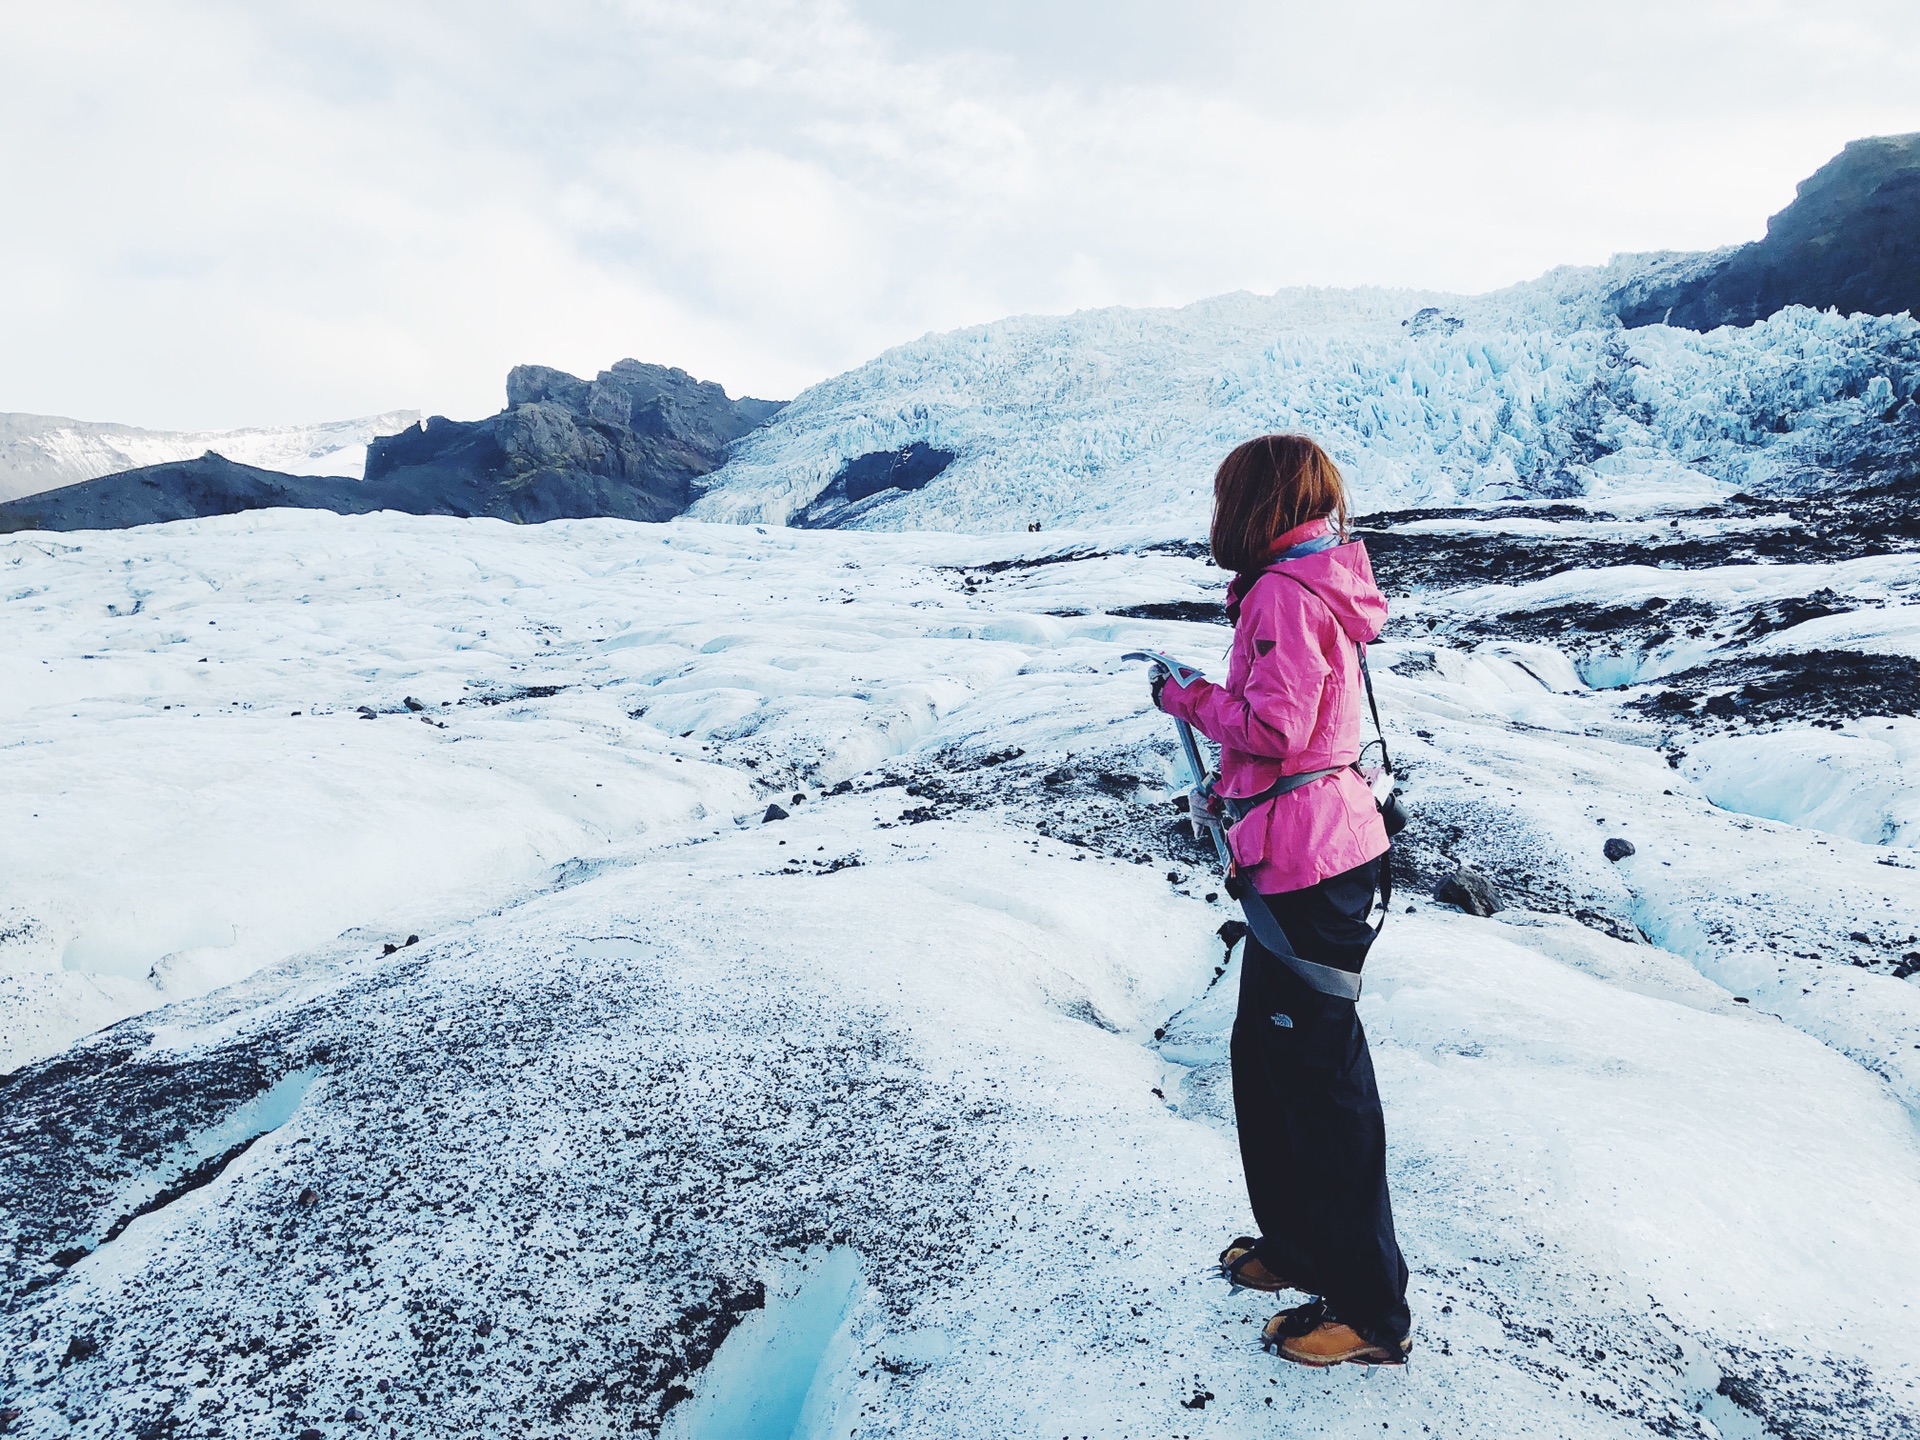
(1312, 1139)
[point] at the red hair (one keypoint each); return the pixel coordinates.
(1265, 488)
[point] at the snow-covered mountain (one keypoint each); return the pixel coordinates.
(44, 452)
(907, 1113)
(1119, 416)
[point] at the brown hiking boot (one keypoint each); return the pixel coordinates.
(1243, 1268)
(1310, 1335)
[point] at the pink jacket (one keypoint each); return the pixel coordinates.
(1293, 702)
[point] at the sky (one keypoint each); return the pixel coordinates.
(221, 214)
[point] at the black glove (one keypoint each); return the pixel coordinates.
(1158, 682)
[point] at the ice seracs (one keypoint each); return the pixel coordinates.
(1118, 416)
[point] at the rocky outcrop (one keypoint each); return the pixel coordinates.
(628, 443)
(1849, 241)
(876, 473)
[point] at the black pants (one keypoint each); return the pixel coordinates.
(1312, 1138)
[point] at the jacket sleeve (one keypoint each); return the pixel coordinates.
(1286, 678)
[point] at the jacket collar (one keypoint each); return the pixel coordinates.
(1299, 535)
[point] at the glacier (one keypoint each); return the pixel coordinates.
(415, 1026)
(727, 977)
(1118, 416)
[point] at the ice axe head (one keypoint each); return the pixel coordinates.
(1181, 675)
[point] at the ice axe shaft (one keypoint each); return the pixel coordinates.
(1200, 801)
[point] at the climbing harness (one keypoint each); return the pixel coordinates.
(1215, 813)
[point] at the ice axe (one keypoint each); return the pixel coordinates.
(1203, 810)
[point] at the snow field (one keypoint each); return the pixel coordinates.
(1863, 785)
(172, 822)
(1624, 1172)
(661, 1052)
(1769, 911)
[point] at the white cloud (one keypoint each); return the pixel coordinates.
(222, 214)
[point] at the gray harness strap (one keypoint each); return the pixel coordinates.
(1285, 785)
(1327, 979)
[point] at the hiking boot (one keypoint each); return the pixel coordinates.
(1310, 1334)
(1244, 1269)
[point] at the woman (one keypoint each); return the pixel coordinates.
(1312, 1140)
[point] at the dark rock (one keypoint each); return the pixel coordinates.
(180, 490)
(413, 704)
(875, 473)
(413, 939)
(1618, 849)
(1209, 612)
(1849, 241)
(81, 1347)
(1795, 689)
(309, 1434)
(909, 468)
(1430, 320)
(1470, 891)
(774, 812)
(631, 443)
(1232, 932)
(309, 1196)
(353, 1412)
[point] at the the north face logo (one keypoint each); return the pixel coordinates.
(1285, 1022)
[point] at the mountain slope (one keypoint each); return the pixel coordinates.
(182, 490)
(1849, 241)
(45, 452)
(627, 444)
(1533, 392)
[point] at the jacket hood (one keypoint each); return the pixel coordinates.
(1341, 575)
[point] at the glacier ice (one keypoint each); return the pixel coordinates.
(1119, 415)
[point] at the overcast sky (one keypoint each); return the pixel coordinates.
(223, 214)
